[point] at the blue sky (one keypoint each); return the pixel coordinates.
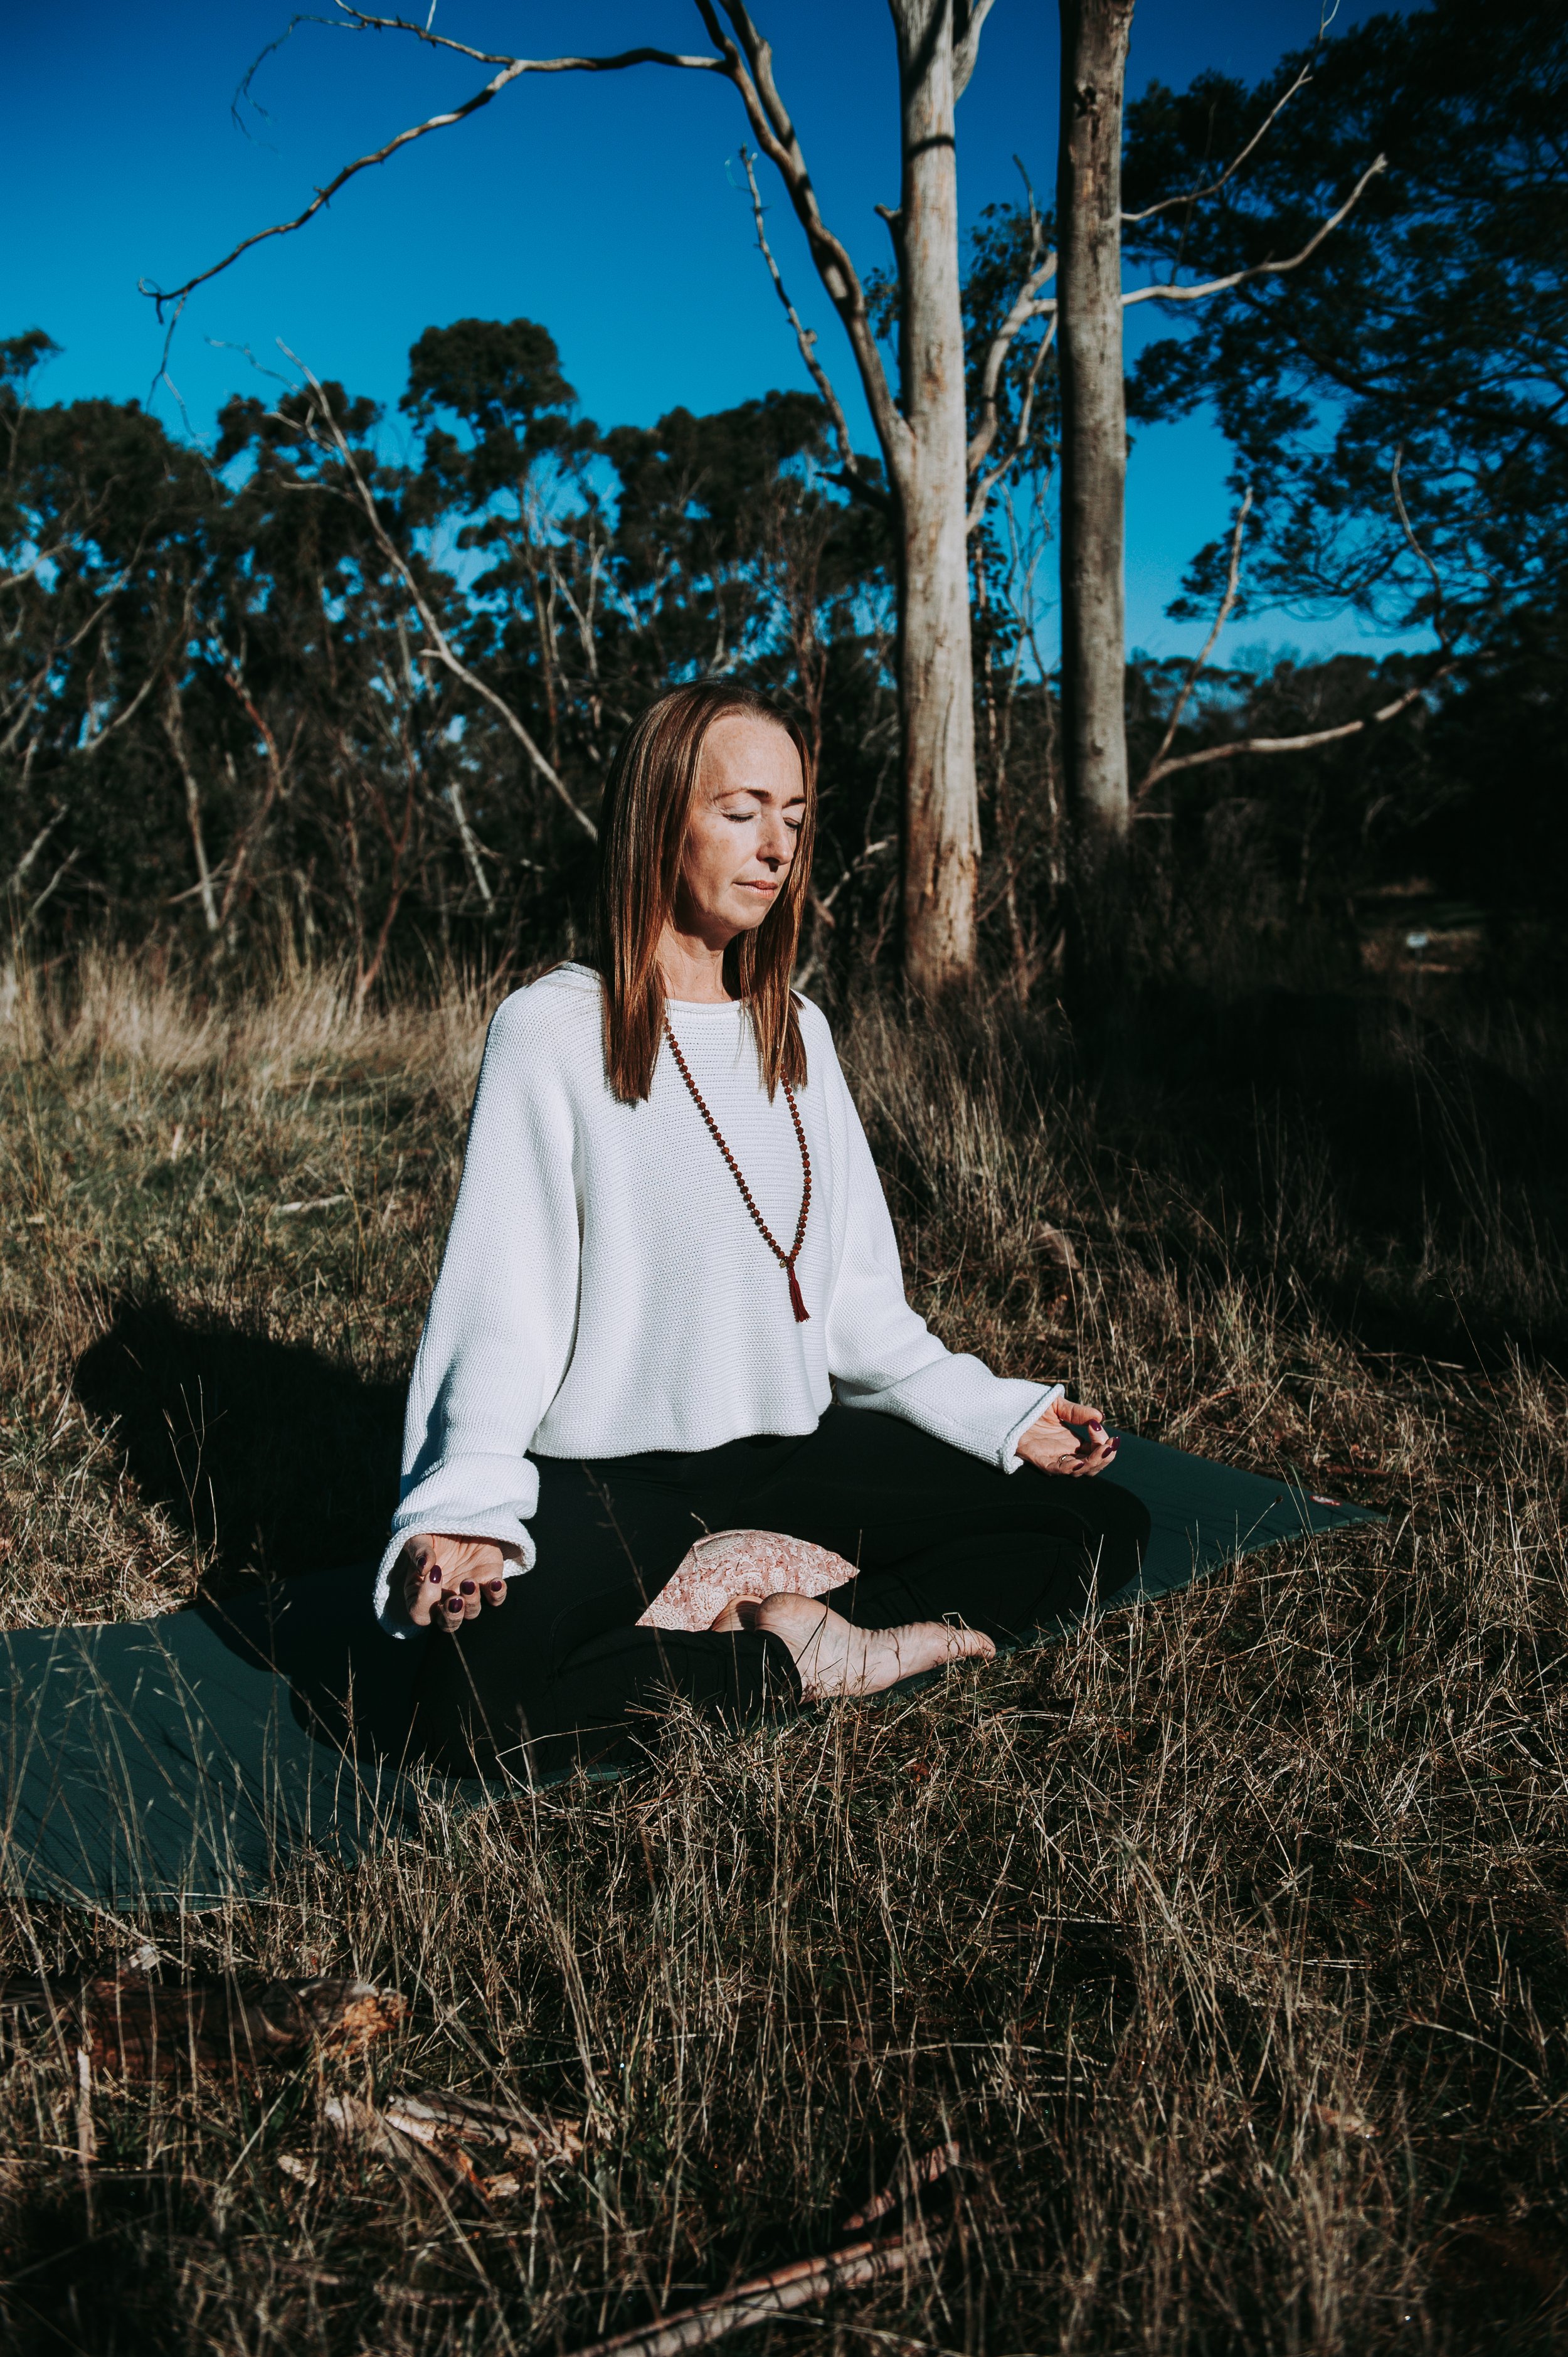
(600, 205)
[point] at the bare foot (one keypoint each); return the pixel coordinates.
(835, 1657)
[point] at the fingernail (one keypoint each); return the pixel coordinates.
(436, 1573)
(467, 1588)
(453, 1603)
(495, 1586)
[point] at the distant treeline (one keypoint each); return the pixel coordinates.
(289, 691)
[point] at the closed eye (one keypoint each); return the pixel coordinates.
(747, 817)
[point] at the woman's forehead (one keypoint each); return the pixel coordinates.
(745, 755)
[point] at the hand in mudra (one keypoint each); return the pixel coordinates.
(445, 1579)
(1068, 1439)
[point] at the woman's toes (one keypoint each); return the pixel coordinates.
(920, 1645)
(834, 1657)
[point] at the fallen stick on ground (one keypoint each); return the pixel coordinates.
(907, 2176)
(132, 2028)
(435, 2113)
(362, 2124)
(433, 2123)
(775, 2294)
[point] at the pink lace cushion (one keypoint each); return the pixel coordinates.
(727, 1566)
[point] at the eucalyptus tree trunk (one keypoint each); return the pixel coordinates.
(936, 676)
(1094, 37)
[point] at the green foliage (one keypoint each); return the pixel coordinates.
(221, 720)
(503, 380)
(1431, 327)
(732, 544)
(217, 714)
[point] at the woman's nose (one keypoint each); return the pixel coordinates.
(775, 847)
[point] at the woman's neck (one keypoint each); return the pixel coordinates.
(693, 968)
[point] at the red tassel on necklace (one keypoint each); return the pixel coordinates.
(796, 1303)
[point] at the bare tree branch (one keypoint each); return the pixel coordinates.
(440, 644)
(988, 483)
(470, 844)
(1042, 266)
(19, 873)
(807, 339)
(44, 557)
(174, 729)
(1196, 196)
(967, 28)
(748, 63)
(1161, 767)
(61, 872)
(1439, 622)
(1299, 744)
(277, 768)
(31, 693)
(1261, 269)
(757, 2301)
(1233, 585)
(511, 69)
(128, 711)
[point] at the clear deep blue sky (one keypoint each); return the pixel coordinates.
(597, 204)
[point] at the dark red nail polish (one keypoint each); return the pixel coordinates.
(467, 1589)
(436, 1573)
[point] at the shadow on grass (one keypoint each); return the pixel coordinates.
(273, 1456)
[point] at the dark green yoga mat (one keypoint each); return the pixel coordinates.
(179, 1760)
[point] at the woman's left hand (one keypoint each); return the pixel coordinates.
(1068, 1439)
(444, 1577)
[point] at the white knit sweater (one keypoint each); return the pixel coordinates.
(604, 1291)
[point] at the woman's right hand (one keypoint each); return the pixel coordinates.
(1068, 1439)
(444, 1579)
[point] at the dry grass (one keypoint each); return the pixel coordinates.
(1228, 1937)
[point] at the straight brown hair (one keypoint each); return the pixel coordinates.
(642, 828)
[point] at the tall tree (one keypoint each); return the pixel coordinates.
(921, 427)
(1094, 38)
(924, 446)
(1090, 305)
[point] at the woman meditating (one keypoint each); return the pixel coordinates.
(671, 1304)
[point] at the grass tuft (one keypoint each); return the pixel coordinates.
(1226, 1937)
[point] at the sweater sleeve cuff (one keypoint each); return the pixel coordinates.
(462, 1497)
(1009, 1459)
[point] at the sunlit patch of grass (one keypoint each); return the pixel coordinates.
(1227, 1937)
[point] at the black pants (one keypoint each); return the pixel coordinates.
(560, 1673)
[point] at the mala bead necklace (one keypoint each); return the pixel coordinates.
(787, 1259)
